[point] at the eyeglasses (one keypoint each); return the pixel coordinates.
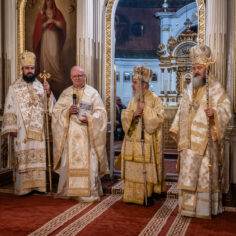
(78, 76)
(29, 67)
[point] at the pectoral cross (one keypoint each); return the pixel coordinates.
(194, 106)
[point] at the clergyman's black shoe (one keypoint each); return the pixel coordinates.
(156, 196)
(150, 202)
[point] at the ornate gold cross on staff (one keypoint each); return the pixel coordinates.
(46, 76)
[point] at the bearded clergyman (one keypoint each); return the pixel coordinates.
(23, 119)
(200, 155)
(145, 112)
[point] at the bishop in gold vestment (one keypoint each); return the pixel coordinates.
(144, 103)
(24, 119)
(79, 141)
(200, 191)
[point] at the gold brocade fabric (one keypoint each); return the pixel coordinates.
(190, 130)
(30, 99)
(24, 114)
(190, 123)
(80, 138)
(132, 154)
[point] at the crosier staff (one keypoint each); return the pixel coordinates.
(210, 144)
(140, 71)
(46, 76)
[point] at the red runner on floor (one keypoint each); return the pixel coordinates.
(44, 215)
(121, 219)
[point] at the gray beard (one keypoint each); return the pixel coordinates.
(136, 95)
(198, 82)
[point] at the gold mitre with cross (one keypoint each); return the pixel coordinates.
(200, 54)
(142, 73)
(27, 59)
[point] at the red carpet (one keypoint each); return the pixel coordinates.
(44, 215)
(224, 225)
(170, 166)
(22, 215)
(119, 219)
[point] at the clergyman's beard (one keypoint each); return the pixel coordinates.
(136, 95)
(29, 78)
(198, 82)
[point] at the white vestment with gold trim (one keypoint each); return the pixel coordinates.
(79, 148)
(197, 188)
(24, 114)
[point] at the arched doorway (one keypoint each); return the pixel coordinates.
(110, 78)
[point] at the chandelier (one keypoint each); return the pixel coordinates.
(165, 5)
(188, 23)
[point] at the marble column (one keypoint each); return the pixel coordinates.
(8, 18)
(9, 45)
(230, 83)
(85, 16)
(231, 49)
(216, 36)
(220, 36)
(162, 81)
(169, 80)
(174, 77)
(89, 40)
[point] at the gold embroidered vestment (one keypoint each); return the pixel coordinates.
(131, 155)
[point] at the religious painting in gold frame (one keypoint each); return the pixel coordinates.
(186, 79)
(48, 28)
